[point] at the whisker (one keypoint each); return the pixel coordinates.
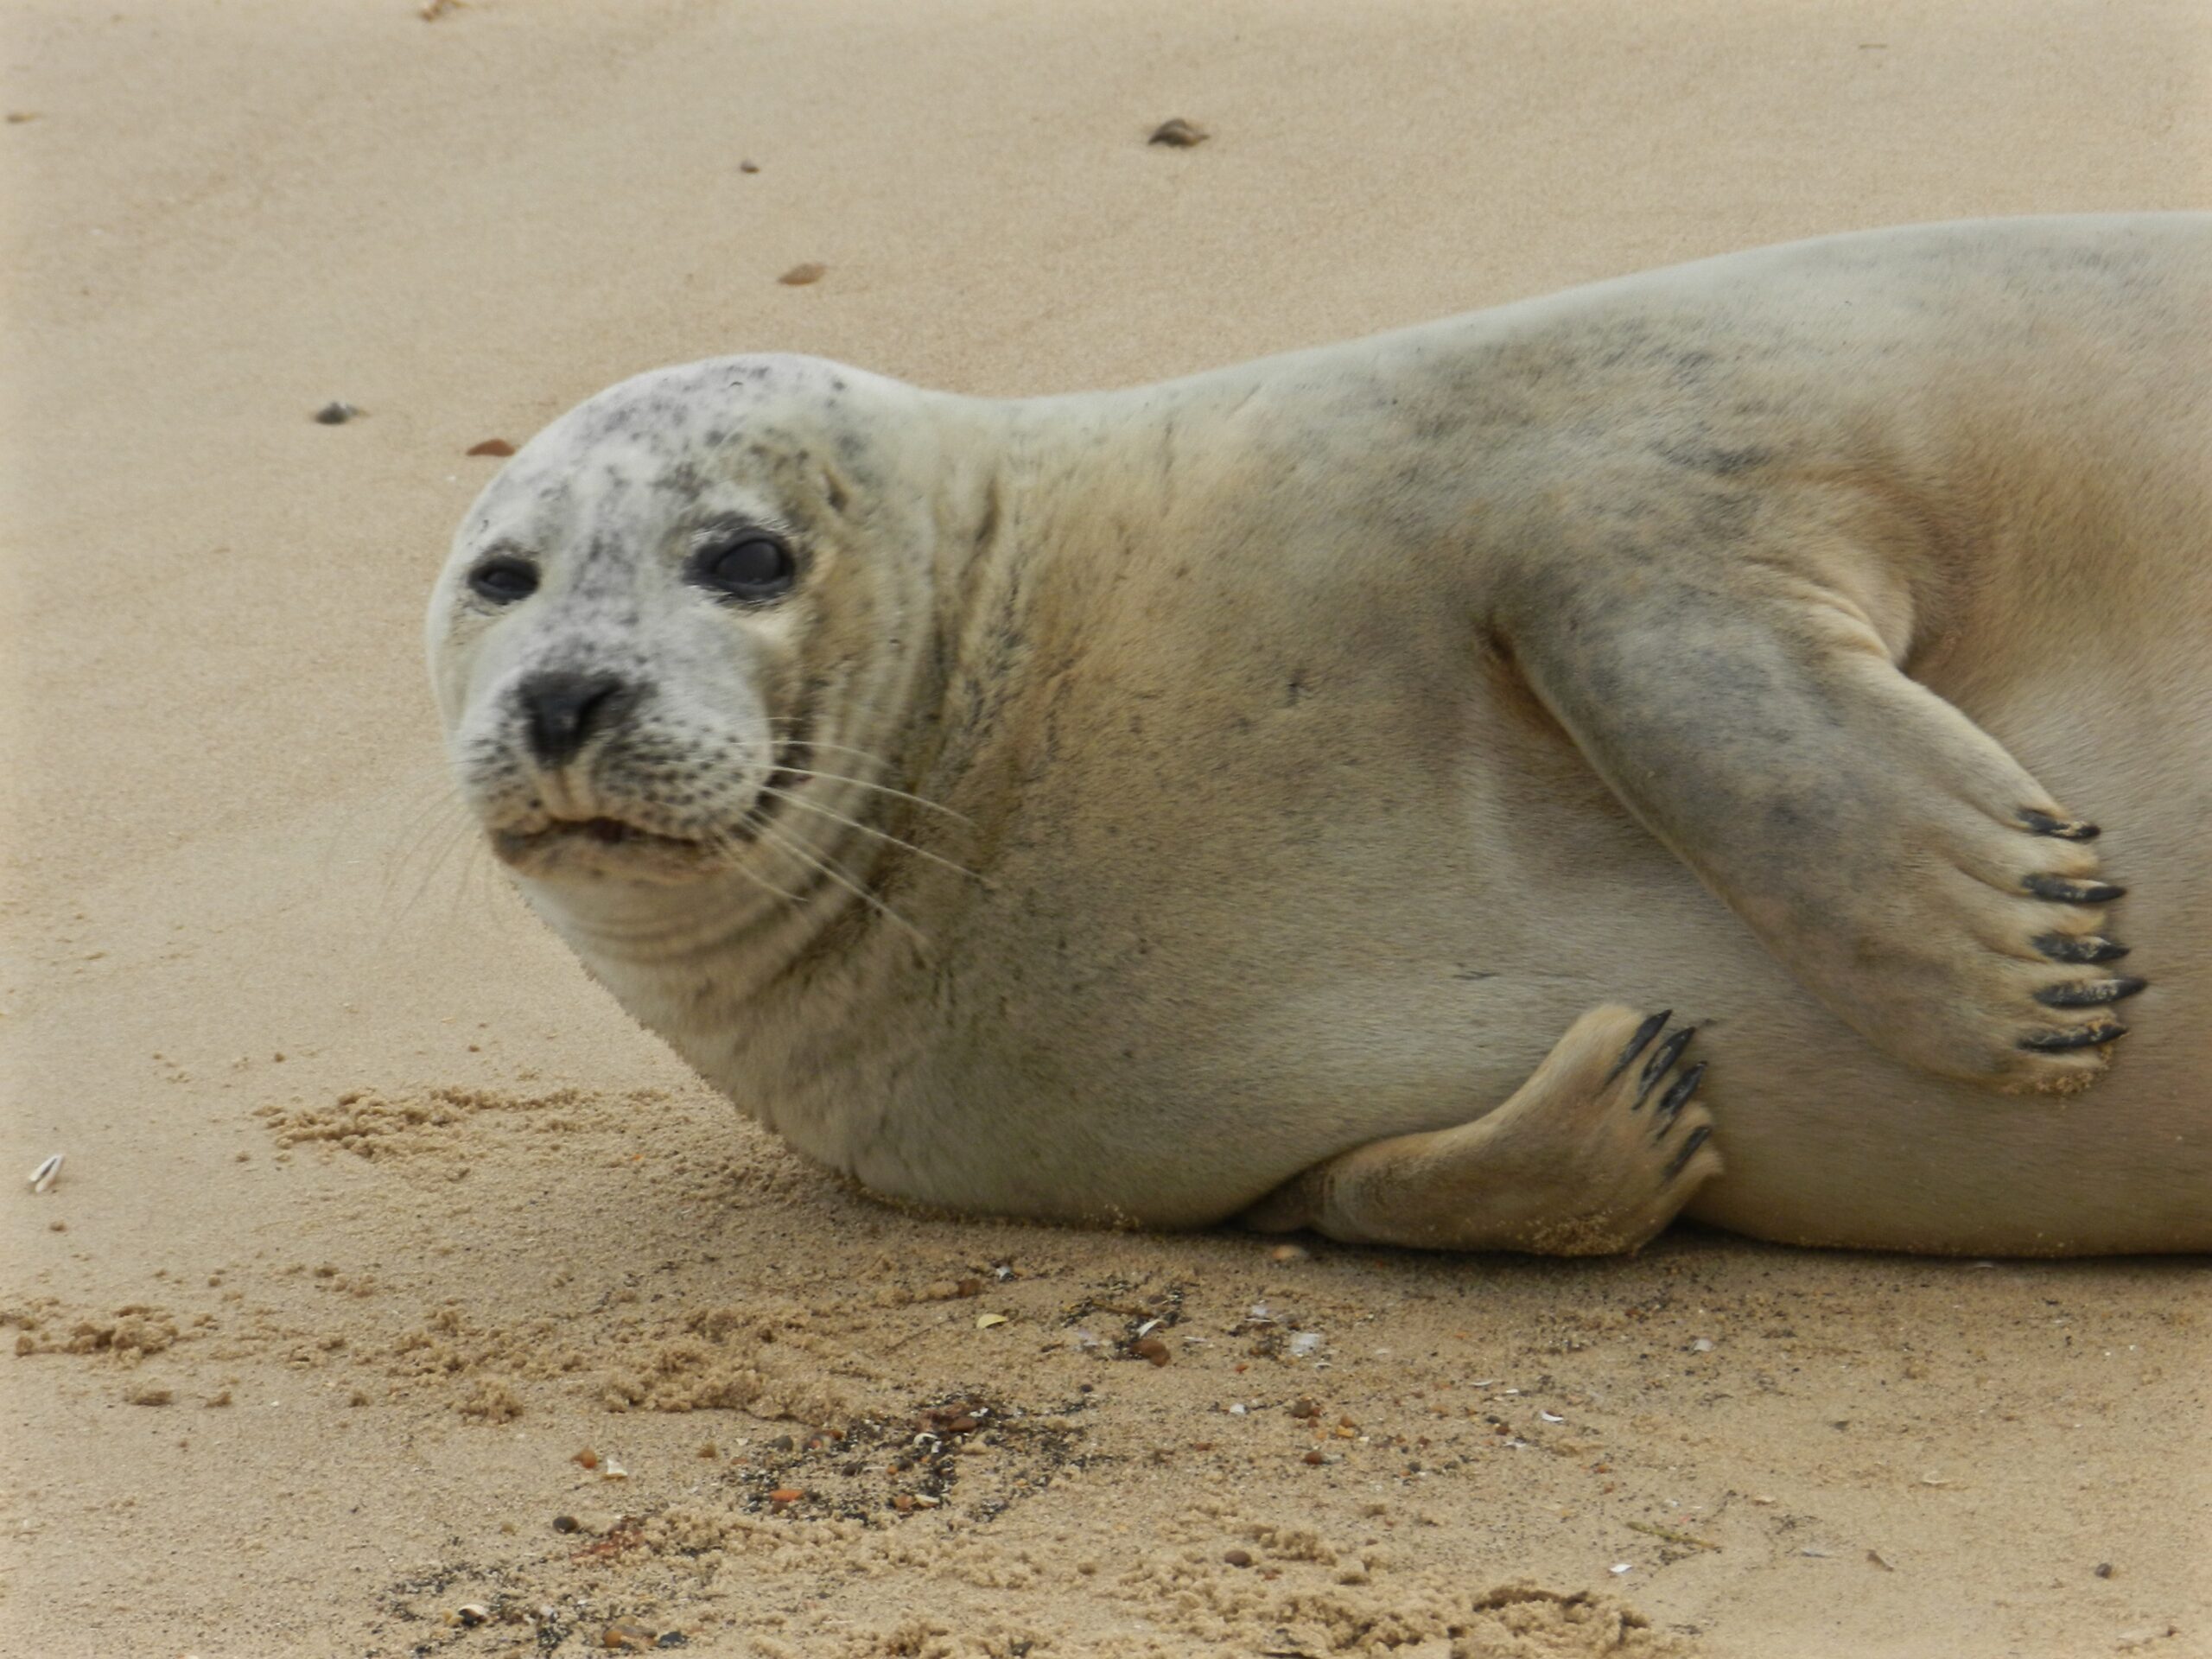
(737, 844)
(439, 818)
(805, 806)
(768, 834)
(817, 743)
(427, 845)
(883, 789)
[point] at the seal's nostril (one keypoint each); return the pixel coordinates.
(564, 710)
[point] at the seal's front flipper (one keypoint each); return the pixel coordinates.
(1905, 867)
(1595, 1153)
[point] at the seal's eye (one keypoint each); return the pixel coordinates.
(752, 566)
(504, 580)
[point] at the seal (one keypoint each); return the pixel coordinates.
(1365, 788)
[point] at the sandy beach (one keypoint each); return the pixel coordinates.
(399, 1295)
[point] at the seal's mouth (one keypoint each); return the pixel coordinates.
(607, 845)
(614, 832)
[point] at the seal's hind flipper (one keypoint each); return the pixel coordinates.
(1593, 1155)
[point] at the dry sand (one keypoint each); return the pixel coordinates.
(376, 1215)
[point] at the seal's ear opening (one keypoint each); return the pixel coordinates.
(833, 488)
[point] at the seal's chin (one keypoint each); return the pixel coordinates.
(601, 848)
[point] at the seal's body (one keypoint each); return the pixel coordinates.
(1328, 745)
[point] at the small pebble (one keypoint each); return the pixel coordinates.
(337, 412)
(1316, 1456)
(1305, 1408)
(786, 1495)
(1178, 134)
(586, 1459)
(800, 275)
(1288, 1253)
(564, 1523)
(748, 167)
(492, 447)
(1153, 1349)
(1238, 1558)
(2104, 1569)
(473, 1613)
(624, 1636)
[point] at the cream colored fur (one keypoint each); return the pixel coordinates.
(1339, 748)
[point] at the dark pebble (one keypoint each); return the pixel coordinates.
(1238, 1558)
(1178, 134)
(565, 1524)
(336, 413)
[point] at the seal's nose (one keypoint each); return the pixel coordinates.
(564, 710)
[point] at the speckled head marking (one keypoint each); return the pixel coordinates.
(656, 611)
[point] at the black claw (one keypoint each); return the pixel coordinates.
(2057, 1042)
(2068, 891)
(2087, 947)
(1671, 1103)
(1641, 1041)
(1661, 1056)
(2065, 828)
(1697, 1137)
(2088, 995)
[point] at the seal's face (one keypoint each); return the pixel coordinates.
(663, 607)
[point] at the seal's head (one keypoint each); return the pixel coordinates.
(670, 600)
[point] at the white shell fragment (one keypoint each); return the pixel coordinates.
(1618, 1568)
(46, 1173)
(1551, 1417)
